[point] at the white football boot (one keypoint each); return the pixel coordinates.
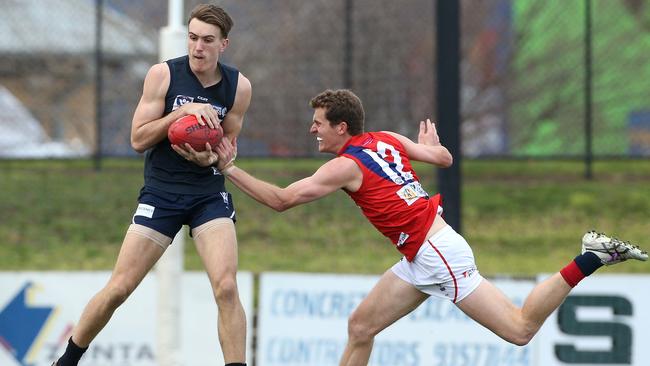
(611, 250)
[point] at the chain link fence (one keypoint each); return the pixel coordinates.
(523, 72)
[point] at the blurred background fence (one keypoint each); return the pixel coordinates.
(523, 70)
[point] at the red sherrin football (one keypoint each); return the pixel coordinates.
(187, 129)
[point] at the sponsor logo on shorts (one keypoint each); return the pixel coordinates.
(145, 210)
(469, 273)
(224, 195)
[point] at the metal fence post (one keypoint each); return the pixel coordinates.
(448, 102)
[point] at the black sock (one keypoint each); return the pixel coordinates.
(236, 364)
(588, 263)
(72, 354)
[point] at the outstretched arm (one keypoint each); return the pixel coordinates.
(428, 148)
(335, 174)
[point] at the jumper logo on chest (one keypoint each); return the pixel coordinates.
(179, 100)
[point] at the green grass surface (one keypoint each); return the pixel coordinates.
(520, 217)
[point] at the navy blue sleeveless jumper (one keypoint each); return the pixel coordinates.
(164, 169)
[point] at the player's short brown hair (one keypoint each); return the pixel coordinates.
(341, 106)
(214, 15)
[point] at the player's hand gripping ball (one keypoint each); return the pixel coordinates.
(188, 130)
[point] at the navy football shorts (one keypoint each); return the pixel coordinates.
(166, 212)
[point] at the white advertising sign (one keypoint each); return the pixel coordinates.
(38, 311)
(605, 321)
(302, 320)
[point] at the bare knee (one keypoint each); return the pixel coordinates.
(116, 293)
(521, 340)
(521, 335)
(359, 331)
(225, 291)
(515, 329)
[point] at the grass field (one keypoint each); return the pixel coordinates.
(521, 217)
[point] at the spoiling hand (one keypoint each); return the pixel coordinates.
(428, 134)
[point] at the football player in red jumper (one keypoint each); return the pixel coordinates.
(374, 169)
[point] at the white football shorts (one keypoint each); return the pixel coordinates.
(444, 267)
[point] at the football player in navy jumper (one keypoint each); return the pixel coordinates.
(178, 192)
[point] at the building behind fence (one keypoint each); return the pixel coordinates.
(523, 72)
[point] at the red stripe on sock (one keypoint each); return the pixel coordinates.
(572, 274)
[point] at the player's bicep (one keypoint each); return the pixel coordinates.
(152, 103)
(147, 110)
(232, 123)
(332, 176)
(308, 189)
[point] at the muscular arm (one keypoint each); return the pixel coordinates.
(428, 148)
(149, 126)
(234, 119)
(335, 174)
